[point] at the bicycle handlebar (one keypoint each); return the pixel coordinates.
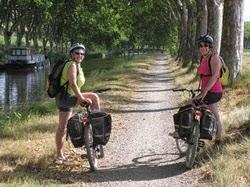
(186, 89)
(85, 104)
(192, 91)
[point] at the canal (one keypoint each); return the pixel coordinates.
(20, 87)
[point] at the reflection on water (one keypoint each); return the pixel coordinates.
(22, 87)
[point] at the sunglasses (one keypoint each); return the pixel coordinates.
(77, 53)
(203, 45)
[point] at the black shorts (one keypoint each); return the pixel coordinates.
(212, 97)
(65, 102)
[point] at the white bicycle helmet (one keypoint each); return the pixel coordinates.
(206, 39)
(76, 46)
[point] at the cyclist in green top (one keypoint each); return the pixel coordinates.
(72, 96)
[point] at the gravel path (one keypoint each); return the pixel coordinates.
(141, 153)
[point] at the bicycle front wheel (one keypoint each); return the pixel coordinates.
(181, 145)
(89, 145)
(193, 145)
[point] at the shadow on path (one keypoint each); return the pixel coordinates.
(143, 111)
(144, 168)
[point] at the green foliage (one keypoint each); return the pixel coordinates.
(1, 40)
(247, 35)
(244, 79)
(99, 23)
(247, 29)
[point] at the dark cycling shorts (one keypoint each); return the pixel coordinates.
(212, 97)
(66, 103)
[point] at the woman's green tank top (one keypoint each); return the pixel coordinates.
(80, 76)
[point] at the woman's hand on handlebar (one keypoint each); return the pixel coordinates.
(198, 97)
(85, 102)
(198, 100)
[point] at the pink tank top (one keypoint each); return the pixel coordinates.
(205, 74)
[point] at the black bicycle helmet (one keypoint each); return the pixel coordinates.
(76, 46)
(206, 39)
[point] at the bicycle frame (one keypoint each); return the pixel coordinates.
(193, 141)
(94, 151)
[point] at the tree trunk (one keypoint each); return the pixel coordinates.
(214, 27)
(27, 39)
(7, 42)
(20, 34)
(183, 28)
(44, 41)
(201, 27)
(188, 50)
(35, 42)
(232, 42)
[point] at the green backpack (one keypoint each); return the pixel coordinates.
(224, 71)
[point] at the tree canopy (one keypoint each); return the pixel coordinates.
(101, 23)
(124, 25)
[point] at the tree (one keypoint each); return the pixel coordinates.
(214, 25)
(232, 36)
(201, 27)
(182, 28)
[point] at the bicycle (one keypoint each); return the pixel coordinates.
(189, 141)
(90, 130)
(94, 151)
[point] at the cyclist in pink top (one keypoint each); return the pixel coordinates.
(211, 88)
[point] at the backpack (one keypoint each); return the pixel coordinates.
(54, 79)
(224, 71)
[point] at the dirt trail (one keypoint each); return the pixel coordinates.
(141, 153)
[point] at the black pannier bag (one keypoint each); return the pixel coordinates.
(183, 120)
(208, 123)
(101, 124)
(75, 130)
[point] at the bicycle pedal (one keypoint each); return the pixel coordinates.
(201, 143)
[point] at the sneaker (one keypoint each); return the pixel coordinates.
(60, 159)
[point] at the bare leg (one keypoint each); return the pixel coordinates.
(95, 100)
(63, 120)
(215, 109)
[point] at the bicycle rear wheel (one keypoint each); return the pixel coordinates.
(181, 145)
(89, 145)
(193, 145)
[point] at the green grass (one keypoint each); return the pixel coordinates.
(97, 71)
(13, 122)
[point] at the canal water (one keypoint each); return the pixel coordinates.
(23, 86)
